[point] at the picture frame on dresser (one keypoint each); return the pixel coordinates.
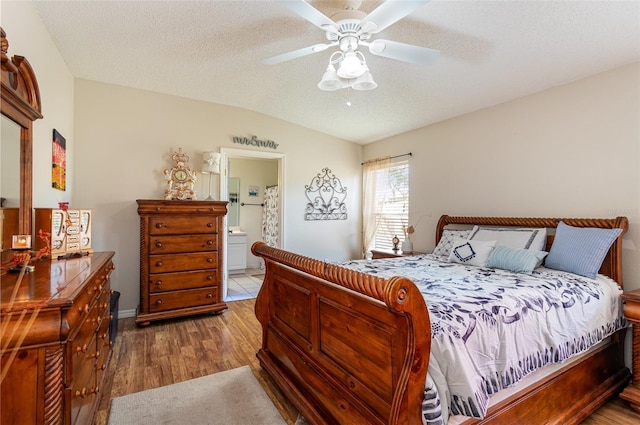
(181, 258)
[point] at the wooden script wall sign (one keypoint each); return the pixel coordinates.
(254, 141)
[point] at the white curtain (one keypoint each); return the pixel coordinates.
(371, 172)
(270, 233)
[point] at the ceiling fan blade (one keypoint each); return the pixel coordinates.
(403, 52)
(388, 13)
(298, 53)
(311, 14)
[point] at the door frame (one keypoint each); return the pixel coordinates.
(225, 154)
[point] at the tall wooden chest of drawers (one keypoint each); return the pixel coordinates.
(55, 341)
(181, 257)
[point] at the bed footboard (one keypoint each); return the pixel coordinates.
(342, 345)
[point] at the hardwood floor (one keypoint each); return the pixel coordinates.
(176, 350)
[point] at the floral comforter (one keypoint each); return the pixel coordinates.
(490, 327)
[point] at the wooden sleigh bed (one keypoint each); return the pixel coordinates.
(350, 348)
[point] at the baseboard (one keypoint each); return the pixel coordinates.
(123, 314)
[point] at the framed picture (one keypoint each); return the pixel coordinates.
(59, 162)
(253, 190)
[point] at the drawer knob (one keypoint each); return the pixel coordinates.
(158, 225)
(209, 260)
(159, 244)
(209, 277)
(158, 302)
(209, 224)
(209, 295)
(158, 263)
(209, 242)
(81, 393)
(84, 309)
(82, 349)
(158, 282)
(103, 367)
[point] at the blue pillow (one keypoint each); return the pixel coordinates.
(580, 250)
(517, 260)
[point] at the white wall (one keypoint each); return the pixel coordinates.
(28, 37)
(125, 137)
(571, 151)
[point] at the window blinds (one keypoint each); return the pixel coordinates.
(392, 204)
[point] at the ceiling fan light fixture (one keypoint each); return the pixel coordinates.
(351, 29)
(352, 65)
(330, 80)
(365, 82)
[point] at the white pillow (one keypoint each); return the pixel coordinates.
(446, 241)
(471, 252)
(519, 238)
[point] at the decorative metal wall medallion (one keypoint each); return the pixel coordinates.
(326, 197)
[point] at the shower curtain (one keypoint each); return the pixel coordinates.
(270, 216)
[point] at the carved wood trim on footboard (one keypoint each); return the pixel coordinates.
(340, 343)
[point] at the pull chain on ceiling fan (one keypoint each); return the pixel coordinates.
(351, 29)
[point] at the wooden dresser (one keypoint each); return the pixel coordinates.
(57, 352)
(181, 257)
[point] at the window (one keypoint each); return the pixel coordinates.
(386, 196)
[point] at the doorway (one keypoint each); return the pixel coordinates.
(246, 195)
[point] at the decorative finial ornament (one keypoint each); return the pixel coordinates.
(180, 178)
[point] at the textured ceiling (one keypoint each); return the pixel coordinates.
(491, 52)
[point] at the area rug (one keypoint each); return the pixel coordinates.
(232, 397)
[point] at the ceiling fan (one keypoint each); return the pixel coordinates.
(350, 29)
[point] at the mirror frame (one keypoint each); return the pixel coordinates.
(20, 102)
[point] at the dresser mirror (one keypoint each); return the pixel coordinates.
(10, 164)
(20, 106)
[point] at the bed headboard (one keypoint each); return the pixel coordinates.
(612, 264)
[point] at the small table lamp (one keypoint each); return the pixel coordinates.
(210, 165)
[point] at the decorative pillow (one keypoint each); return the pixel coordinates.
(515, 259)
(446, 241)
(523, 238)
(580, 250)
(471, 252)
